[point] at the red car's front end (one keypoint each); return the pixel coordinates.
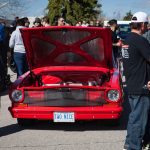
(71, 76)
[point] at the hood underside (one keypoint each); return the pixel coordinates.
(68, 46)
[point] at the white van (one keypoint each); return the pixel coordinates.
(118, 22)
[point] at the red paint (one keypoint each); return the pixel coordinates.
(51, 71)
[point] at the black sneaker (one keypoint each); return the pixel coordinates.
(126, 147)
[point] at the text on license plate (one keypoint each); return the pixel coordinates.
(63, 117)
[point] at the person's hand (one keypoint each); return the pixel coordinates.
(119, 43)
(148, 85)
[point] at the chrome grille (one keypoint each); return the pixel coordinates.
(64, 97)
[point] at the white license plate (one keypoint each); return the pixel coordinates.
(63, 117)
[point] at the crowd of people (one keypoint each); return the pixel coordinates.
(11, 44)
(136, 63)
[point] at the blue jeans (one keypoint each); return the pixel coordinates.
(21, 63)
(137, 121)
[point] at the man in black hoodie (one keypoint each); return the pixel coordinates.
(136, 57)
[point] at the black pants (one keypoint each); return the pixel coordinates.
(3, 65)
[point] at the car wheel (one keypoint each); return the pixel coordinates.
(25, 122)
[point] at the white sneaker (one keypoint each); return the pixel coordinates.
(146, 147)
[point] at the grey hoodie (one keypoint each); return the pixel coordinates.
(16, 41)
(147, 35)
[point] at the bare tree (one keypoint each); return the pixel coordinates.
(117, 15)
(11, 8)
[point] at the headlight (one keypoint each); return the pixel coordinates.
(17, 95)
(113, 95)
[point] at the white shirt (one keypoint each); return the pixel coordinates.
(16, 41)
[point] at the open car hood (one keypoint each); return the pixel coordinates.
(68, 46)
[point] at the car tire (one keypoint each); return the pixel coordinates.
(25, 122)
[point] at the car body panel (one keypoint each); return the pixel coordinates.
(81, 113)
(55, 46)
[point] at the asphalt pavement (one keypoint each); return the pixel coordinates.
(46, 135)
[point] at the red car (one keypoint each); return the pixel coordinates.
(71, 77)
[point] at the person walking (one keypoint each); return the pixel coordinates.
(146, 138)
(27, 22)
(136, 56)
(45, 21)
(60, 21)
(14, 23)
(98, 23)
(3, 57)
(79, 24)
(91, 23)
(16, 42)
(115, 41)
(37, 22)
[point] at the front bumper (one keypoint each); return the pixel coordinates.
(81, 113)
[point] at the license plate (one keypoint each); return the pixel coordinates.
(63, 117)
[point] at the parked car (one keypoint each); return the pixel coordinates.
(71, 76)
(124, 29)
